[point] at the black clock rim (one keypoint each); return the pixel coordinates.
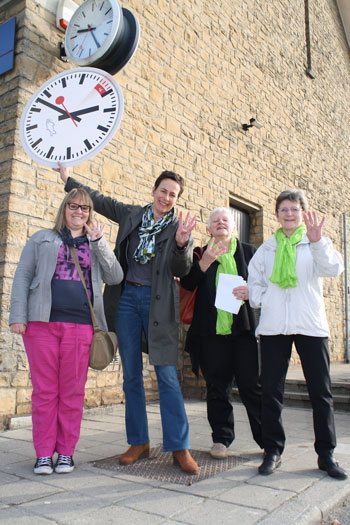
(122, 51)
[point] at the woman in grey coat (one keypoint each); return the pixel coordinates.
(153, 246)
(49, 308)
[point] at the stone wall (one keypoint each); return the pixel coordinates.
(201, 70)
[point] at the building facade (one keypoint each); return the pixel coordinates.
(202, 69)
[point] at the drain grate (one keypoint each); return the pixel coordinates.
(159, 466)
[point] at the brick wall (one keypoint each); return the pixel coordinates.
(202, 69)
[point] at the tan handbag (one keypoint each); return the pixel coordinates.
(104, 344)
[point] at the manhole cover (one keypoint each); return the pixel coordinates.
(160, 466)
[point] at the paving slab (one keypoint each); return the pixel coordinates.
(296, 494)
(219, 512)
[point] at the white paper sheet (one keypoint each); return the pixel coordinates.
(225, 300)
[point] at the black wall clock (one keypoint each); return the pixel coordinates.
(102, 34)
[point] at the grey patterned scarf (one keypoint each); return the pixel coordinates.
(148, 230)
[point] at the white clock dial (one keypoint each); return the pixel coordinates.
(71, 117)
(93, 28)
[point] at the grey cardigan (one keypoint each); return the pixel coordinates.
(31, 289)
(169, 262)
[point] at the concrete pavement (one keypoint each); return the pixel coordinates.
(297, 493)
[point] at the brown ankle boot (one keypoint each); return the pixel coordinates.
(134, 453)
(185, 461)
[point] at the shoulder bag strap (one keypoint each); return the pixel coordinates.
(77, 265)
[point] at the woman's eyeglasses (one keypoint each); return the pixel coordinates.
(286, 210)
(74, 207)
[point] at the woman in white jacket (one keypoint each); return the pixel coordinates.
(285, 281)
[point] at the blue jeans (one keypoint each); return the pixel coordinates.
(131, 321)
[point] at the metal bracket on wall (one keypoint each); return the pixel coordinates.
(63, 55)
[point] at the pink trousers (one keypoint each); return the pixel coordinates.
(58, 355)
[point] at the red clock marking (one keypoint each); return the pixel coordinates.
(100, 89)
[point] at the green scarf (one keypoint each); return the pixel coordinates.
(283, 272)
(227, 264)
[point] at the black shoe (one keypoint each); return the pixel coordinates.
(332, 468)
(270, 463)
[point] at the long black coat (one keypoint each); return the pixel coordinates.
(205, 312)
(169, 262)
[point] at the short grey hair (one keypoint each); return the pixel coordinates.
(229, 212)
(293, 195)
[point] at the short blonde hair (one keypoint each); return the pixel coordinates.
(76, 193)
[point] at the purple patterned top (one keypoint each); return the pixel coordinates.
(65, 267)
(69, 301)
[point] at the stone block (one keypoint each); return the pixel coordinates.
(92, 397)
(24, 396)
(7, 401)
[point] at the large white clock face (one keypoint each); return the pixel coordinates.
(71, 117)
(93, 28)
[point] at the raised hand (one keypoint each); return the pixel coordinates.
(63, 171)
(95, 230)
(184, 229)
(313, 225)
(213, 251)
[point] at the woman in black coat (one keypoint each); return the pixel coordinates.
(221, 344)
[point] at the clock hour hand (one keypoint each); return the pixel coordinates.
(75, 114)
(86, 30)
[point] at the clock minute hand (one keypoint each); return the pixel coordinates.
(56, 108)
(95, 39)
(75, 114)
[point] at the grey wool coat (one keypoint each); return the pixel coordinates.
(31, 291)
(169, 262)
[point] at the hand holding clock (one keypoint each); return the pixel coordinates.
(63, 171)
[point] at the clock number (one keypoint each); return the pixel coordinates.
(87, 144)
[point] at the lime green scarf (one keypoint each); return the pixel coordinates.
(227, 264)
(283, 272)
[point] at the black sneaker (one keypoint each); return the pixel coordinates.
(64, 464)
(43, 465)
